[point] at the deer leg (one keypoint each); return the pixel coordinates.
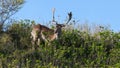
(33, 38)
(43, 37)
(39, 40)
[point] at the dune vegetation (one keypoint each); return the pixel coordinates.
(77, 47)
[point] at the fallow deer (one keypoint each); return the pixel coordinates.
(41, 32)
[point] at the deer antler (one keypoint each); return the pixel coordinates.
(70, 17)
(53, 20)
(53, 11)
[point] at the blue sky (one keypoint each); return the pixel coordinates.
(94, 11)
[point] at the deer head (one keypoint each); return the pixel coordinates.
(58, 28)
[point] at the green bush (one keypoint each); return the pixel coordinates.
(74, 49)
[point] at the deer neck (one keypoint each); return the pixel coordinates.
(58, 32)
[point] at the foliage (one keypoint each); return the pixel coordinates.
(7, 9)
(75, 49)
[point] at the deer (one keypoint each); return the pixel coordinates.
(41, 32)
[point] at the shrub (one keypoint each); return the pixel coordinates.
(74, 49)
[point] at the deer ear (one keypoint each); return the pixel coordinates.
(54, 23)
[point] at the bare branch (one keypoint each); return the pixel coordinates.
(8, 8)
